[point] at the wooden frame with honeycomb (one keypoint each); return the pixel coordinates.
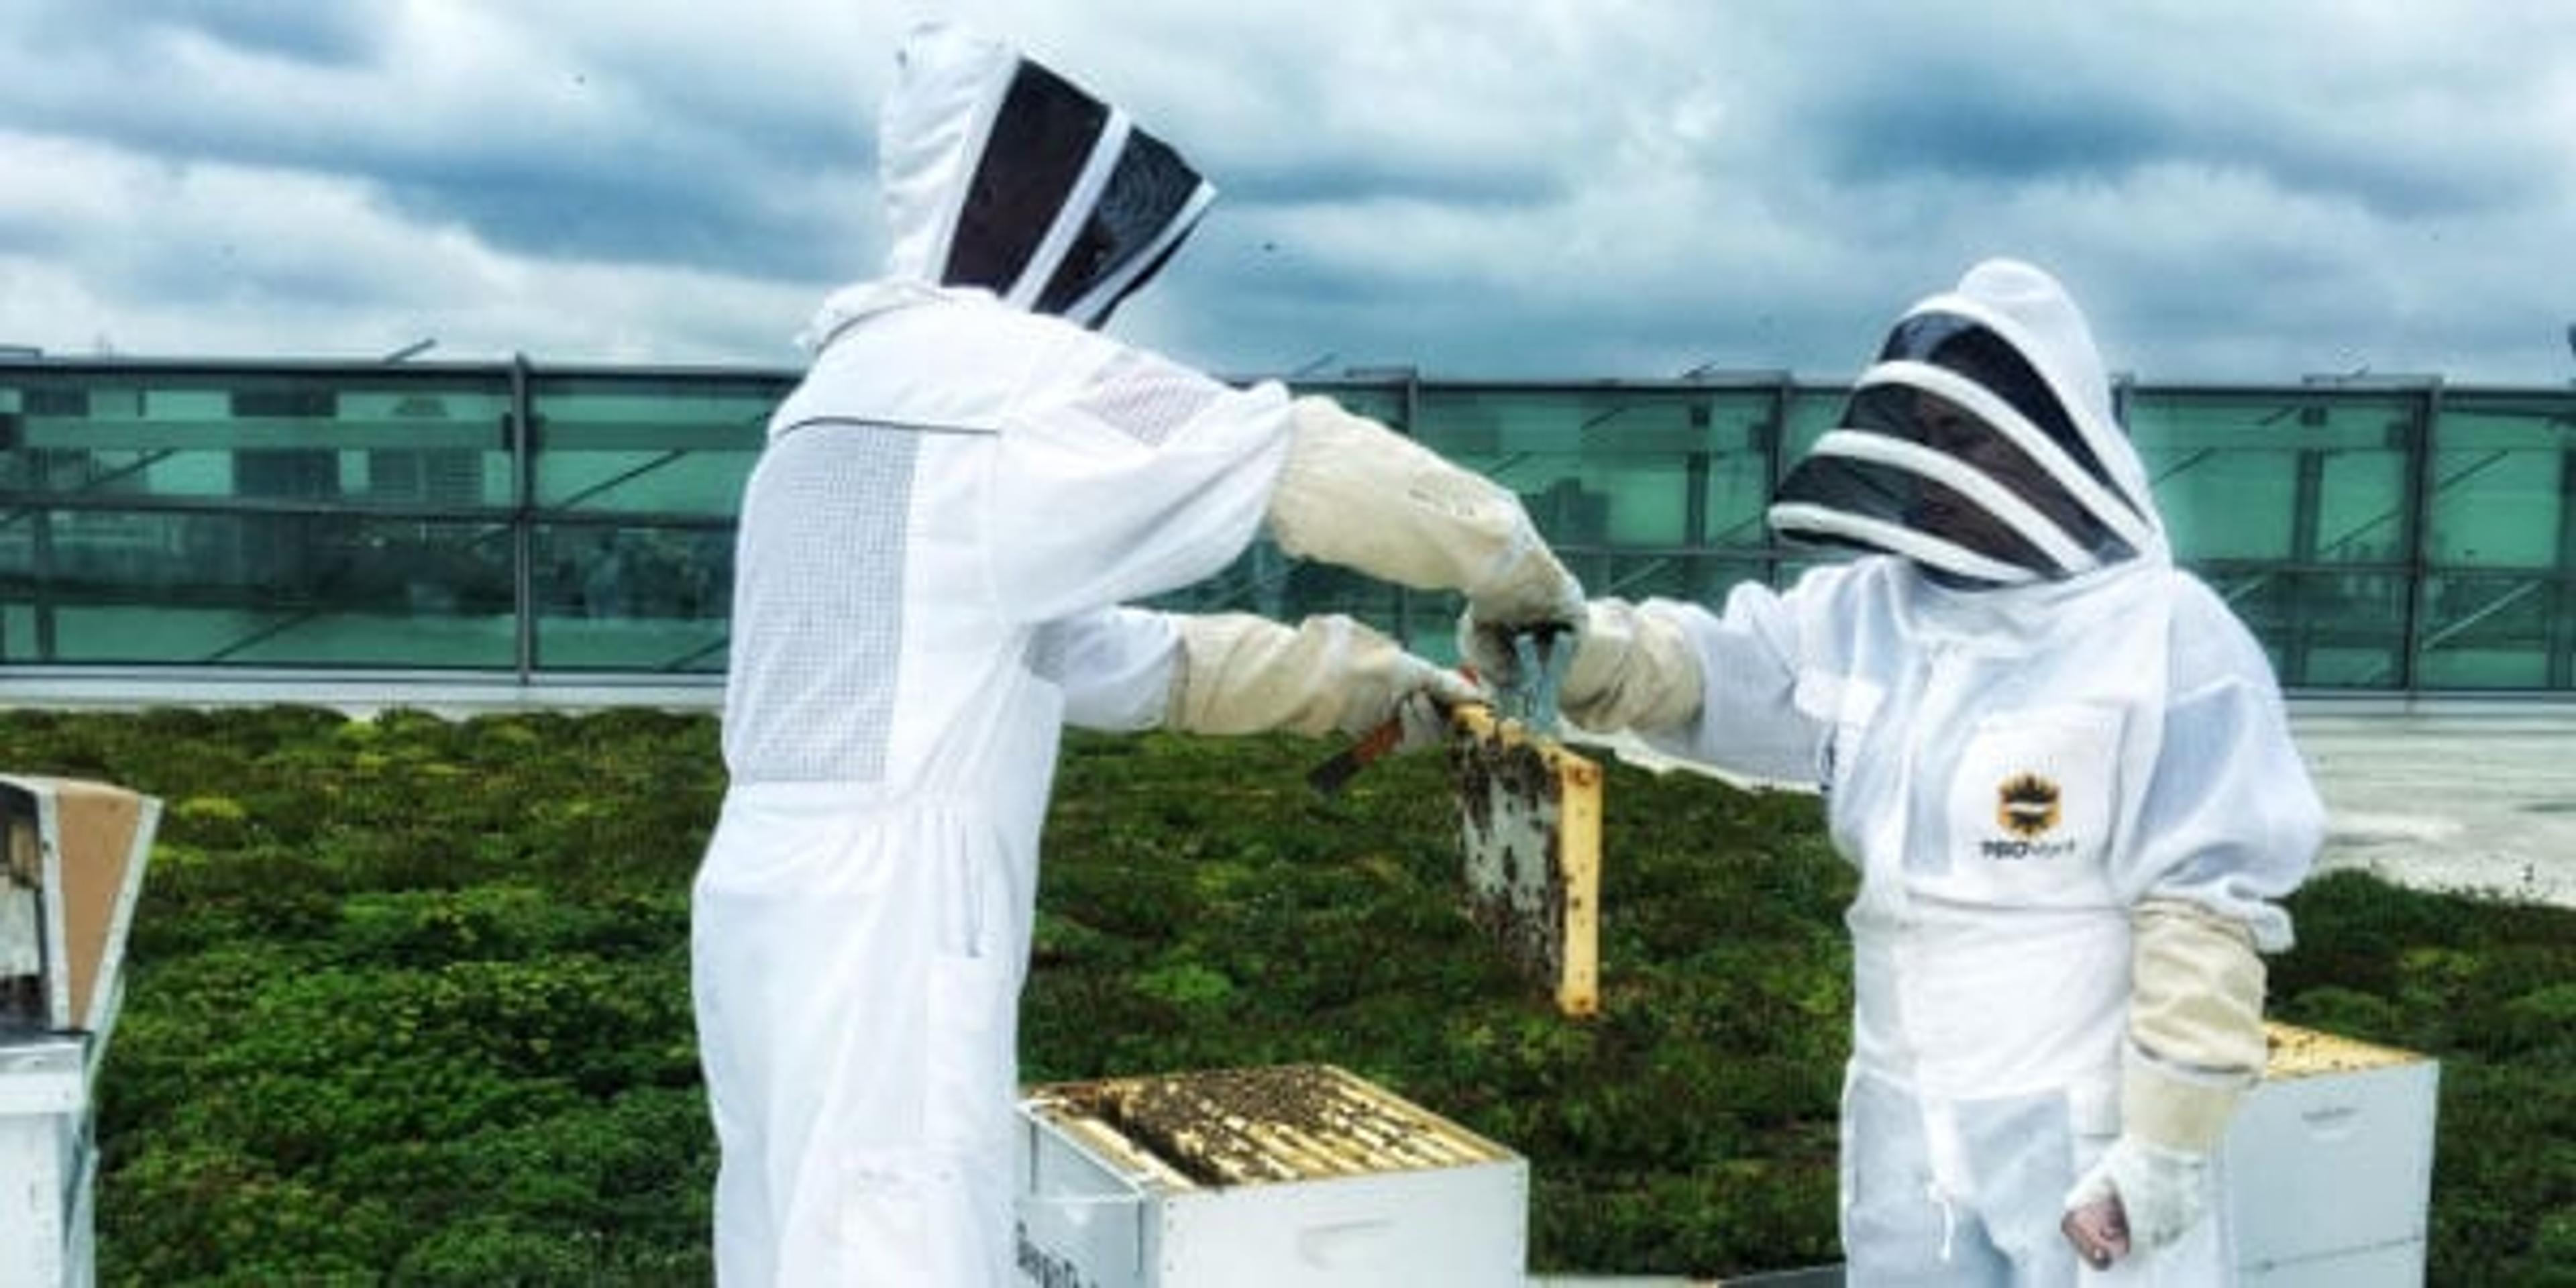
(1529, 822)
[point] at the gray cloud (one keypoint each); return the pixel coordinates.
(1563, 188)
(2406, 115)
(544, 149)
(342, 32)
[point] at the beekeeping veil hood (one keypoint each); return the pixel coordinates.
(1981, 445)
(1000, 174)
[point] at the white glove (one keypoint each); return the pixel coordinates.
(1632, 669)
(1239, 674)
(2162, 1193)
(1361, 495)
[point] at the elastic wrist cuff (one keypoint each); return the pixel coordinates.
(2177, 1109)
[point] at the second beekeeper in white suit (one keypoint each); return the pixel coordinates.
(2062, 768)
(934, 550)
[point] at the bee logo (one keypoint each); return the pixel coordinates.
(2026, 805)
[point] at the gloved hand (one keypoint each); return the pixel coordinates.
(1632, 669)
(1361, 495)
(1423, 714)
(2161, 1194)
(1239, 673)
(2195, 1043)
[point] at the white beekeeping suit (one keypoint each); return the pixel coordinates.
(2062, 768)
(933, 552)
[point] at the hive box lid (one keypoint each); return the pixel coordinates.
(72, 854)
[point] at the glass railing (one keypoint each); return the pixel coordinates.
(2394, 536)
(481, 518)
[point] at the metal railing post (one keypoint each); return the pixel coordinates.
(2419, 513)
(523, 536)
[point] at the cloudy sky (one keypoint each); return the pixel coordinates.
(1519, 189)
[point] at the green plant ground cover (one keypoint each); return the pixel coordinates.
(407, 998)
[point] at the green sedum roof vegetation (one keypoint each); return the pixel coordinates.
(407, 998)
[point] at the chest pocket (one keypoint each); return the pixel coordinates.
(1845, 705)
(2030, 809)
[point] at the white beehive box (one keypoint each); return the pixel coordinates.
(1299, 1176)
(2330, 1165)
(45, 1163)
(72, 855)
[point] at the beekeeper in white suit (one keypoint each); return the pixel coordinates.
(2062, 768)
(932, 554)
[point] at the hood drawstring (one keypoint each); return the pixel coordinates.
(1949, 1217)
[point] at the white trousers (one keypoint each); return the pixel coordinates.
(856, 986)
(2021, 1154)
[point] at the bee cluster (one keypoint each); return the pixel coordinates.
(1302, 1122)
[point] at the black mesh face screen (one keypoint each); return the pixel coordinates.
(1040, 140)
(1149, 189)
(1895, 495)
(1918, 416)
(1137, 283)
(1967, 347)
(1852, 487)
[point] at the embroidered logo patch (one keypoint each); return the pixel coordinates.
(2027, 806)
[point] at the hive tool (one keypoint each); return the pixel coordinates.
(1543, 656)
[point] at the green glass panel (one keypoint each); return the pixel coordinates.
(649, 444)
(267, 590)
(631, 597)
(2502, 481)
(1614, 465)
(393, 439)
(1737, 491)
(2361, 509)
(1812, 412)
(18, 638)
(2295, 475)
(2495, 632)
(1529, 441)
(1383, 403)
(2334, 630)
(367, 516)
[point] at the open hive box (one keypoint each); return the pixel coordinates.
(1247, 1178)
(2294, 1052)
(2329, 1164)
(1530, 827)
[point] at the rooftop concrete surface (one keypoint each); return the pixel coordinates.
(2478, 799)
(2473, 796)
